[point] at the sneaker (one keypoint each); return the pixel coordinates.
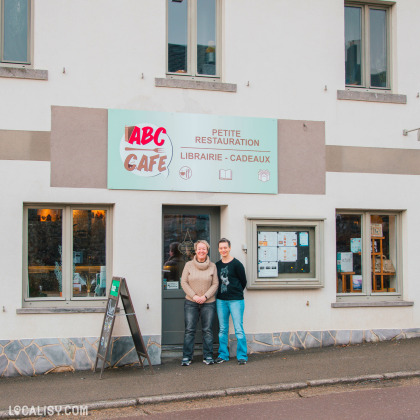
(220, 360)
(208, 361)
(241, 362)
(185, 361)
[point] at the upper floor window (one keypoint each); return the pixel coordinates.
(15, 31)
(194, 37)
(367, 45)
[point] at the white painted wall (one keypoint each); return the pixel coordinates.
(288, 51)
(137, 255)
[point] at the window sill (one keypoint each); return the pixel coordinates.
(74, 310)
(23, 73)
(370, 304)
(369, 96)
(195, 84)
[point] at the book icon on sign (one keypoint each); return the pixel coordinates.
(225, 174)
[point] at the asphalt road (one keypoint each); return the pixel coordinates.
(384, 400)
(375, 404)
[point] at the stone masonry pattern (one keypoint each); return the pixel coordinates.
(38, 356)
(298, 340)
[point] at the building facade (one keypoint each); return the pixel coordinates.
(285, 127)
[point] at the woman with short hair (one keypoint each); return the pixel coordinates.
(230, 302)
(199, 282)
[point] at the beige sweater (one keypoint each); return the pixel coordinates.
(200, 279)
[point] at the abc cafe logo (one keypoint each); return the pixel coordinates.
(146, 150)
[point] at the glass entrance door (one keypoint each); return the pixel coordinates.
(182, 226)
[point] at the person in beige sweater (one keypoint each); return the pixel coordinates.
(199, 282)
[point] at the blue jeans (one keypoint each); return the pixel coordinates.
(235, 308)
(192, 311)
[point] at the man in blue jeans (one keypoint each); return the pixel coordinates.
(230, 302)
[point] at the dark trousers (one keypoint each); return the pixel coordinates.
(192, 312)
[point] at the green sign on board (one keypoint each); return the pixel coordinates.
(114, 288)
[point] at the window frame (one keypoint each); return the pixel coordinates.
(30, 37)
(293, 282)
(367, 295)
(366, 6)
(67, 300)
(192, 45)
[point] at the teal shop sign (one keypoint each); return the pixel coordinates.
(191, 152)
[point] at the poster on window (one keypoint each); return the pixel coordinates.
(355, 245)
(267, 253)
(287, 238)
(344, 262)
(268, 269)
(267, 238)
(357, 282)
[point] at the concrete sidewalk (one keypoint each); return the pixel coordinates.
(263, 372)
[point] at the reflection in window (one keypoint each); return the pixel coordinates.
(45, 235)
(15, 31)
(177, 36)
(180, 231)
(353, 39)
(192, 37)
(366, 46)
(349, 253)
(206, 37)
(378, 49)
(89, 257)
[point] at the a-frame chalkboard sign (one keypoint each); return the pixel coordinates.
(119, 289)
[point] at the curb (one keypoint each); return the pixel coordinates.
(257, 389)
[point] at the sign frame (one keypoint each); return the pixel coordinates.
(163, 151)
(119, 289)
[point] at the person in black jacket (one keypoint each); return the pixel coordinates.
(230, 302)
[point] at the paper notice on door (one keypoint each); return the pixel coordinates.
(267, 253)
(267, 238)
(287, 253)
(268, 269)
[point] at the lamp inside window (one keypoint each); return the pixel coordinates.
(48, 215)
(97, 214)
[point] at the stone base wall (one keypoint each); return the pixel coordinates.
(297, 340)
(45, 355)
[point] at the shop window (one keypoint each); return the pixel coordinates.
(193, 38)
(368, 257)
(15, 31)
(66, 253)
(284, 253)
(367, 45)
